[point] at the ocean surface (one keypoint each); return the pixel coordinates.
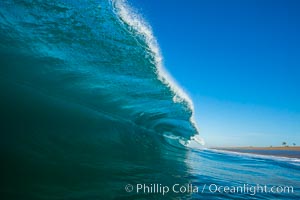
(87, 108)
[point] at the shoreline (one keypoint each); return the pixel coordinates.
(288, 152)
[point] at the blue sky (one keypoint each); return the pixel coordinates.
(239, 60)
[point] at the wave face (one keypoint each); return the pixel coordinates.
(87, 105)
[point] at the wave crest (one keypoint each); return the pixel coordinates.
(129, 17)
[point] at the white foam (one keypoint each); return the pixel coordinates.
(294, 161)
(127, 15)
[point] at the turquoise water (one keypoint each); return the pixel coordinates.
(87, 108)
